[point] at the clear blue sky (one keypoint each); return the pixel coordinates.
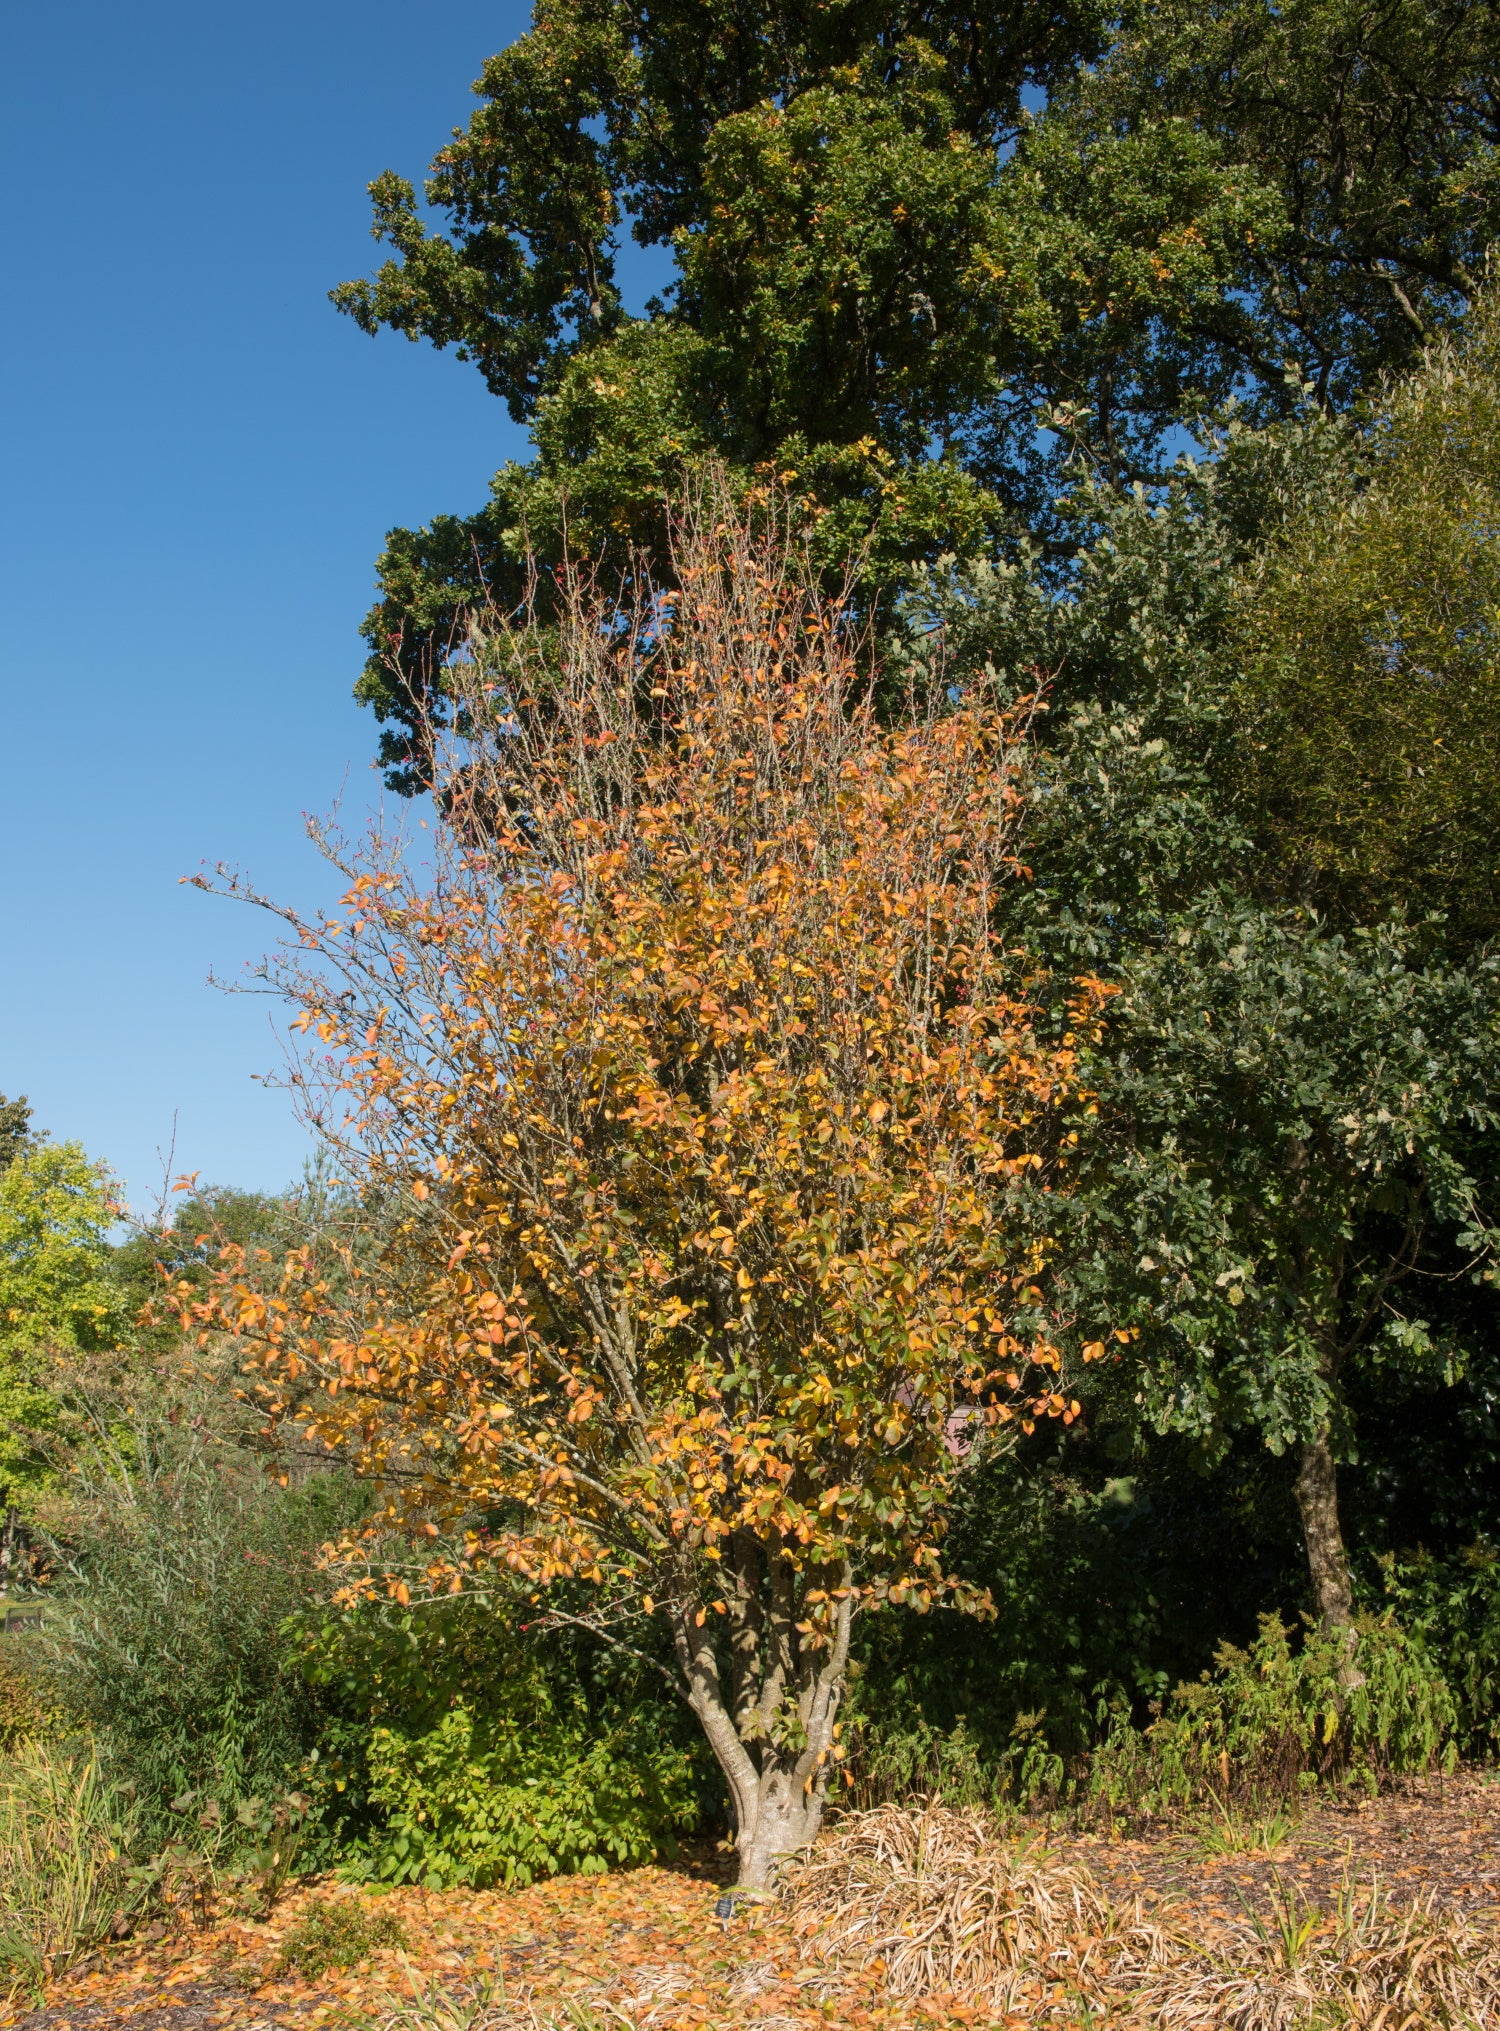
(199, 459)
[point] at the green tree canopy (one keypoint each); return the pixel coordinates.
(1370, 634)
(1290, 1164)
(58, 1298)
(888, 271)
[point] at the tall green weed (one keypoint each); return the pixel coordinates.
(66, 1836)
(1273, 1720)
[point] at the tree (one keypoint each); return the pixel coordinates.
(1281, 1179)
(710, 1082)
(1368, 134)
(15, 1134)
(889, 273)
(1368, 632)
(1290, 1157)
(57, 1301)
(822, 180)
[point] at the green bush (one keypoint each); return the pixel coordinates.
(1108, 1588)
(474, 1803)
(167, 1643)
(338, 1933)
(1453, 1604)
(1272, 1720)
(1266, 1723)
(23, 1712)
(475, 1743)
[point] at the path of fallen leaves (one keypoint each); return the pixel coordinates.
(645, 1948)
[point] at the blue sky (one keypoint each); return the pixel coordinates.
(198, 461)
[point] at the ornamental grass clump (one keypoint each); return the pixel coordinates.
(947, 1906)
(65, 1875)
(1370, 1965)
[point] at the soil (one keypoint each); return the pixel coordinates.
(647, 1948)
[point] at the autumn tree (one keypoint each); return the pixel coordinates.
(692, 1043)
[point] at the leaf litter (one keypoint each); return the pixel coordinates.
(1375, 1915)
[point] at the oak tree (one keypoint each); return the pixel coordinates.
(901, 240)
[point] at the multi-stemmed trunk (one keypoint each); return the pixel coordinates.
(774, 1736)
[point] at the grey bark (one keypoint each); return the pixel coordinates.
(1318, 1506)
(1327, 1561)
(777, 1791)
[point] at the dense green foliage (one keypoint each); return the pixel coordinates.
(58, 1301)
(888, 269)
(468, 1745)
(1372, 665)
(165, 1640)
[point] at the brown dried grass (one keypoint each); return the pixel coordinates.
(948, 1907)
(1371, 1965)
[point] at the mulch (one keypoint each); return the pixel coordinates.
(1439, 1838)
(645, 1948)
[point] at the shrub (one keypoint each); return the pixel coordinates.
(338, 1933)
(167, 1643)
(1108, 1590)
(908, 1757)
(477, 1742)
(23, 1712)
(1271, 1720)
(476, 1804)
(1453, 1604)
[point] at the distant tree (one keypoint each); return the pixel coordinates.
(58, 1304)
(888, 272)
(318, 1213)
(15, 1135)
(709, 1080)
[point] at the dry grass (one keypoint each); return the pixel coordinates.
(945, 1906)
(1369, 1966)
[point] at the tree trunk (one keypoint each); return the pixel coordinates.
(788, 1812)
(1318, 1504)
(777, 1793)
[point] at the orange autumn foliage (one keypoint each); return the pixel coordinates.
(710, 1082)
